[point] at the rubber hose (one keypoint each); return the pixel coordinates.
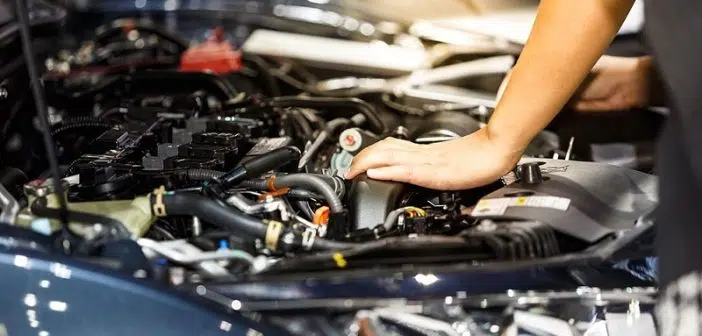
(192, 204)
(335, 124)
(262, 67)
(206, 209)
(392, 217)
(326, 186)
(312, 182)
(330, 245)
(305, 209)
(303, 194)
(375, 123)
(302, 123)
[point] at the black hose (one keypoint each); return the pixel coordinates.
(42, 111)
(79, 123)
(302, 123)
(263, 68)
(206, 209)
(335, 124)
(305, 209)
(376, 124)
(303, 194)
(110, 112)
(326, 186)
(312, 182)
(331, 245)
(40, 209)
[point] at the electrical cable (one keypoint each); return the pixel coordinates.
(79, 123)
(43, 116)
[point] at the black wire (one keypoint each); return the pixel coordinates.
(42, 112)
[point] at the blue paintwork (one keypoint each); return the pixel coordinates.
(48, 295)
(418, 286)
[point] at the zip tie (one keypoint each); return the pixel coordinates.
(273, 234)
(158, 207)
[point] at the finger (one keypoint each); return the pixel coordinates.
(379, 158)
(396, 143)
(421, 175)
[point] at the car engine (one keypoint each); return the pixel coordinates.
(223, 163)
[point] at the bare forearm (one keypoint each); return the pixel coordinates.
(567, 39)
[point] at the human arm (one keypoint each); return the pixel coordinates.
(620, 83)
(567, 39)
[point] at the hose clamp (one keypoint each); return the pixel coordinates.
(158, 207)
(308, 239)
(270, 184)
(273, 234)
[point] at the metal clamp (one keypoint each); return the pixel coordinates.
(273, 234)
(158, 207)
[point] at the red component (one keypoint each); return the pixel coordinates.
(350, 140)
(216, 55)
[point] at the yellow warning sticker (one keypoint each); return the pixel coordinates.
(498, 206)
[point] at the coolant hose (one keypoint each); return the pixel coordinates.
(191, 204)
(204, 208)
(376, 124)
(198, 174)
(326, 186)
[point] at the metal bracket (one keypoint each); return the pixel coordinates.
(10, 206)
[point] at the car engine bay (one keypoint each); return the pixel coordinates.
(193, 163)
(242, 157)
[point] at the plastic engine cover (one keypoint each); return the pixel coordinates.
(585, 200)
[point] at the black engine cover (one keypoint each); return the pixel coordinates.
(584, 200)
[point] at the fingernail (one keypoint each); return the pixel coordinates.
(347, 174)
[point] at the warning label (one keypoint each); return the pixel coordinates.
(498, 206)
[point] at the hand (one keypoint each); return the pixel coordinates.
(617, 83)
(472, 161)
